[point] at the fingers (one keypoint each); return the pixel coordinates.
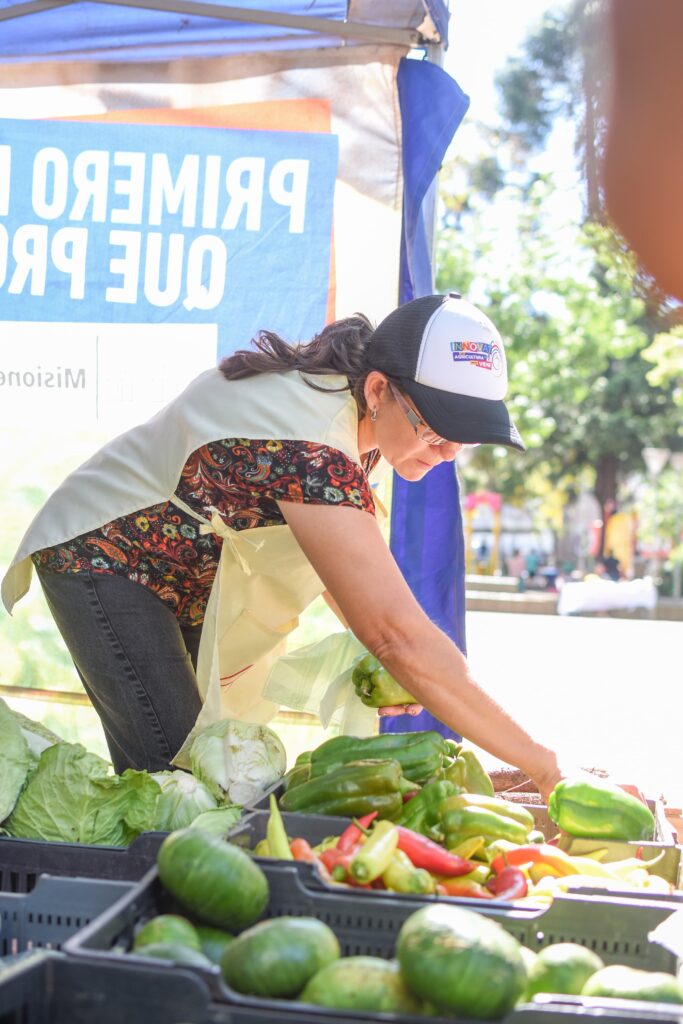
(400, 709)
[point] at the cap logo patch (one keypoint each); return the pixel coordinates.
(485, 354)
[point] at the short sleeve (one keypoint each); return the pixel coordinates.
(315, 474)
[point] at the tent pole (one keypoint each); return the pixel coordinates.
(379, 34)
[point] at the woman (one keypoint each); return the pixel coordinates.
(225, 515)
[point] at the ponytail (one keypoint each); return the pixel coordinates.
(340, 348)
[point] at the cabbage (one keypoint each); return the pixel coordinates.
(237, 760)
(71, 797)
(218, 821)
(181, 800)
(15, 760)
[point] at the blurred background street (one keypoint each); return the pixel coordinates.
(606, 692)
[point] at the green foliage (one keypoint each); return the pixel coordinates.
(666, 353)
(564, 300)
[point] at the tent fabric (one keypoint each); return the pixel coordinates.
(432, 108)
(427, 537)
(107, 32)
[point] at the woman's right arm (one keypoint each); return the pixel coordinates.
(347, 550)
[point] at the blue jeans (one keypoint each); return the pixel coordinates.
(136, 663)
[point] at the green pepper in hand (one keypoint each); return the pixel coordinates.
(375, 687)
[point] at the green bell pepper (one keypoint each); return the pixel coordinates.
(422, 813)
(352, 790)
(458, 822)
(375, 687)
(468, 773)
(420, 754)
(497, 804)
(597, 809)
(297, 774)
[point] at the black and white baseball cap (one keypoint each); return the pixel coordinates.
(449, 358)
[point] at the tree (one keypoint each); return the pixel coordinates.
(563, 298)
(581, 315)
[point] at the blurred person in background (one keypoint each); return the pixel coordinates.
(642, 168)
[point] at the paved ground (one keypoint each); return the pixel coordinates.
(607, 692)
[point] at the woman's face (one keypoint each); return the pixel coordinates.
(395, 436)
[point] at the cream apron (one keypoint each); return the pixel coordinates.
(264, 581)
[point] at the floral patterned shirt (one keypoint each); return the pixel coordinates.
(161, 547)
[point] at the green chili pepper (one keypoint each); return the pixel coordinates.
(467, 773)
(373, 857)
(278, 843)
(402, 876)
(375, 687)
(352, 790)
(458, 822)
(597, 809)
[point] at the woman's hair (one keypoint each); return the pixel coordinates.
(341, 347)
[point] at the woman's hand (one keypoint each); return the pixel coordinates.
(400, 709)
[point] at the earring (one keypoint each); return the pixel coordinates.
(373, 415)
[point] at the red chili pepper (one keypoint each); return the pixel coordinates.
(426, 854)
(352, 835)
(534, 853)
(409, 796)
(333, 858)
(301, 850)
(510, 884)
(469, 888)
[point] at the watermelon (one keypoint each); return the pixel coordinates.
(462, 962)
(620, 982)
(217, 881)
(276, 958)
(365, 984)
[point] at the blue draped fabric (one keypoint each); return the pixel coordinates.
(426, 521)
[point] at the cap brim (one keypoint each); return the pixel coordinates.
(464, 418)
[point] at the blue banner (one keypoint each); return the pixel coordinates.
(118, 223)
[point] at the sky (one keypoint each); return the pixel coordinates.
(482, 35)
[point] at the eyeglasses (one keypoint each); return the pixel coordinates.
(422, 431)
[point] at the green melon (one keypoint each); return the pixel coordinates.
(216, 880)
(620, 982)
(167, 928)
(174, 951)
(276, 958)
(462, 962)
(564, 967)
(366, 984)
(213, 941)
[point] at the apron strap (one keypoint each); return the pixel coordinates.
(217, 526)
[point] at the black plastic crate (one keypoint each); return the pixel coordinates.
(251, 829)
(53, 989)
(54, 910)
(368, 923)
(263, 801)
(22, 861)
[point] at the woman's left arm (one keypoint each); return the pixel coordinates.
(346, 548)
